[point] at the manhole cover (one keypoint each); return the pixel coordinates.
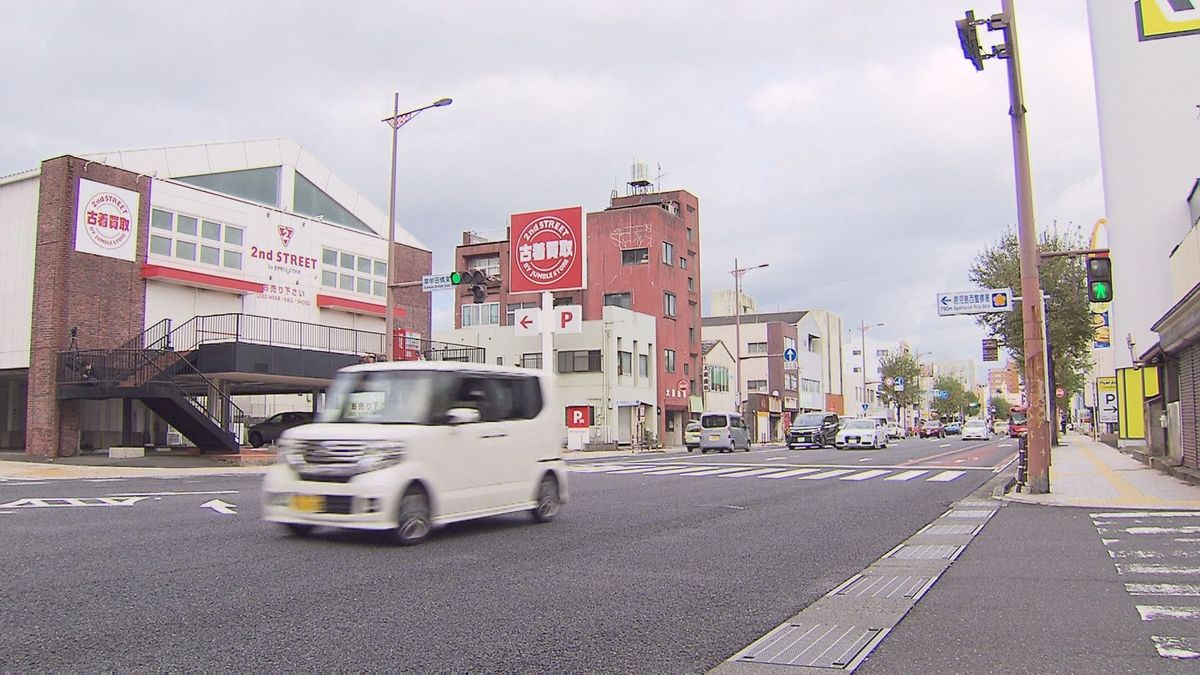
(925, 552)
(820, 645)
(904, 586)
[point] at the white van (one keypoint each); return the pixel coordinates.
(409, 446)
(724, 432)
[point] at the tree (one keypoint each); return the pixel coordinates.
(972, 406)
(1064, 279)
(897, 363)
(955, 398)
(1001, 406)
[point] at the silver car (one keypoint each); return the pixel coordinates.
(725, 432)
(864, 432)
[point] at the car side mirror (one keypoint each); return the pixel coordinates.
(457, 416)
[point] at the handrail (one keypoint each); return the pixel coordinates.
(154, 337)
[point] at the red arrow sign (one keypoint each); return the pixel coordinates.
(525, 322)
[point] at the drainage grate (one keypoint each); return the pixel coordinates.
(967, 513)
(951, 529)
(925, 552)
(977, 505)
(906, 586)
(819, 645)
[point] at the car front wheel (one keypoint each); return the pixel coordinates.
(413, 522)
(548, 501)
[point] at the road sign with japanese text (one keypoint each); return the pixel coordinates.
(983, 301)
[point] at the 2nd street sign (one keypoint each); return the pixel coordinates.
(975, 302)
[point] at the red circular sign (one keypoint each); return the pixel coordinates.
(546, 251)
(683, 387)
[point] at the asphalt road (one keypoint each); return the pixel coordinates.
(641, 572)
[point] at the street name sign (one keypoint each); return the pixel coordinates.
(436, 282)
(982, 301)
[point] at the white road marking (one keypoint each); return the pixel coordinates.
(219, 506)
(1186, 590)
(674, 469)
(1142, 568)
(1107, 542)
(640, 469)
(173, 494)
(776, 459)
(49, 502)
(907, 475)
(1146, 514)
(826, 474)
(959, 461)
(865, 459)
(103, 480)
(788, 474)
(945, 476)
(1177, 647)
(945, 445)
(1156, 612)
(866, 475)
(1148, 555)
(714, 472)
(748, 472)
(1161, 530)
(1004, 445)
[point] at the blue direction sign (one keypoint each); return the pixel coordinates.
(789, 359)
(941, 393)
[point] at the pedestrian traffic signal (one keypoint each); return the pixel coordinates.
(1099, 279)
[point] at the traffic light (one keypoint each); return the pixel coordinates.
(1099, 279)
(476, 279)
(969, 39)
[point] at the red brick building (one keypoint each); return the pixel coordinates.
(643, 254)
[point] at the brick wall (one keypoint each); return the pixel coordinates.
(104, 298)
(414, 304)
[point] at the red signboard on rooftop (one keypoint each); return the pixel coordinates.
(546, 251)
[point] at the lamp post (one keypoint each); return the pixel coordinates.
(396, 121)
(737, 326)
(863, 328)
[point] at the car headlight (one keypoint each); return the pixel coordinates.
(381, 454)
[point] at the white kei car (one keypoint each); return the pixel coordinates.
(863, 432)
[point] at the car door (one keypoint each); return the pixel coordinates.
(467, 464)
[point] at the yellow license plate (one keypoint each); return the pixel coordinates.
(309, 503)
(714, 437)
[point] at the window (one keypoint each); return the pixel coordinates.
(668, 251)
(687, 367)
(580, 361)
(756, 385)
(810, 386)
(669, 305)
(692, 334)
(789, 343)
(718, 378)
(624, 363)
(511, 308)
(669, 360)
(499, 398)
(881, 353)
(682, 263)
(756, 348)
(618, 300)
(559, 302)
(643, 365)
(814, 343)
(691, 284)
(531, 360)
(490, 264)
(482, 314)
(689, 230)
(791, 381)
(635, 256)
(174, 235)
(350, 272)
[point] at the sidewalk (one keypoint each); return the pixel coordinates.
(1093, 475)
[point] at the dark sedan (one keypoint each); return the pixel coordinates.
(268, 430)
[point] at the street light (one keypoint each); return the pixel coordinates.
(863, 328)
(396, 121)
(737, 273)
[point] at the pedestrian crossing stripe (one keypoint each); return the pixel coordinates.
(773, 472)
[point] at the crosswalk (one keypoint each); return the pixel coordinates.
(1157, 554)
(808, 473)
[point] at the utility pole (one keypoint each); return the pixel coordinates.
(1038, 481)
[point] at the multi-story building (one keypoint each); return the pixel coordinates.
(605, 367)
(229, 271)
(719, 395)
(643, 255)
(770, 389)
(1005, 382)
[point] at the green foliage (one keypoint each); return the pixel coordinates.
(950, 406)
(900, 364)
(1001, 405)
(1065, 280)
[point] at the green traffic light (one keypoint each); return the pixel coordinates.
(1101, 291)
(456, 278)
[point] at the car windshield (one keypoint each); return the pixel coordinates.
(932, 425)
(808, 421)
(1016, 417)
(693, 426)
(383, 396)
(860, 424)
(974, 423)
(714, 421)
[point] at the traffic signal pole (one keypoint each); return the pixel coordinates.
(1031, 312)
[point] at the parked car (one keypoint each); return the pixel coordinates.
(897, 431)
(953, 428)
(407, 446)
(863, 432)
(975, 430)
(269, 430)
(813, 430)
(723, 431)
(691, 436)
(932, 429)
(1000, 427)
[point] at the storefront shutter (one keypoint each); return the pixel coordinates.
(1189, 404)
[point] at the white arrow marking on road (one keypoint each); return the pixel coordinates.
(945, 445)
(71, 501)
(219, 506)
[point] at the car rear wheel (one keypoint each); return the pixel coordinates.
(256, 439)
(299, 529)
(548, 501)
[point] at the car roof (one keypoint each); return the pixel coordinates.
(454, 366)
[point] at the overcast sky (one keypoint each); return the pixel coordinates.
(849, 145)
